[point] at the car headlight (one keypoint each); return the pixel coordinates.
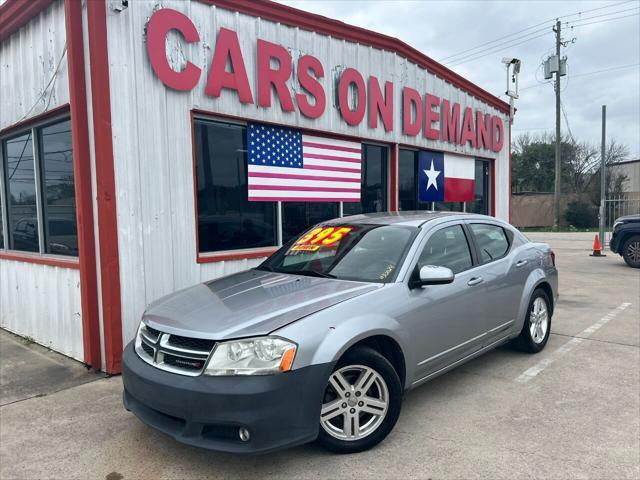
(616, 225)
(252, 356)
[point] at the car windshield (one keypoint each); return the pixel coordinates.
(366, 253)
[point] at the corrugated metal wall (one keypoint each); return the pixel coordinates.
(29, 60)
(39, 301)
(152, 135)
(42, 302)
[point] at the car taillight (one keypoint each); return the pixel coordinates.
(553, 257)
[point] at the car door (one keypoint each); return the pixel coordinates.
(443, 320)
(503, 273)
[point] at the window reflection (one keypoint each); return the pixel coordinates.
(21, 202)
(59, 193)
(298, 216)
(226, 218)
(373, 195)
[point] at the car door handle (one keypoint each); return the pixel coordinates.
(521, 263)
(475, 281)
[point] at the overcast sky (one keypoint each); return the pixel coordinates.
(444, 28)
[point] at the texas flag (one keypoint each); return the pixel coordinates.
(445, 177)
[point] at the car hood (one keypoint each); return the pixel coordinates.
(249, 303)
(628, 219)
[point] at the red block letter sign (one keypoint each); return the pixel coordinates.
(277, 77)
(483, 127)
(228, 47)
(431, 102)
(468, 132)
(348, 77)
(450, 121)
(411, 101)
(379, 104)
(309, 82)
(497, 134)
(159, 25)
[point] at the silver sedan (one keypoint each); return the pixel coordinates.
(321, 341)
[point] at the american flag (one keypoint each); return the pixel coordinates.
(286, 165)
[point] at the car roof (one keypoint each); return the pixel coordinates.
(410, 218)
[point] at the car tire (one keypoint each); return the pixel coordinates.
(537, 324)
(631, 251)
(370, 378)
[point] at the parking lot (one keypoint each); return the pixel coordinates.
(572, 411)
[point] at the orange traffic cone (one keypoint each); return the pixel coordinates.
(597, 248)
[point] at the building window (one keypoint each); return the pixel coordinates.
(298, 216)
(374, 191)
(39, 186)
(408, 187)
(227, 220)
(480, 203)
(1, 221)
(408, 181)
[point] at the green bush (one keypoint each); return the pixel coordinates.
(580, 215)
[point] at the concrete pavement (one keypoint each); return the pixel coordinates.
(577, 417)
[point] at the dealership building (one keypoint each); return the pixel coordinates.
(129, 168)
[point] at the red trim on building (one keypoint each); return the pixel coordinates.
(29, 122)
(510, 170)
(393, 177)
(492, 182)
(105, 182)
(50, 260)
(236, 255)
(17, 13)
(82, 184)
(317, 23)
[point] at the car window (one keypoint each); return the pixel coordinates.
(491, 240)
(367, 253)
(447, 247)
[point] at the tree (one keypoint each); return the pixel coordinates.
(533, 165)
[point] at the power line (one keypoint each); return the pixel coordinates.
(460, 62)
(619, 67)
(603, 15)
(566, 121)
(606, 20)
(472, 57)
(545, 29)
(529, 28)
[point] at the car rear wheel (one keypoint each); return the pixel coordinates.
(537, 326)
(361, 402)
(631, 251)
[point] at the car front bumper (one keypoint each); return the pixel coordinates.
(614, 243)
(207, 411)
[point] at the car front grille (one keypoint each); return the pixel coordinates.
(173, 353)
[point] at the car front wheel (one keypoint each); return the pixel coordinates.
(361, 402)
(631, 251)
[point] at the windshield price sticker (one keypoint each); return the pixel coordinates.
(319, 237)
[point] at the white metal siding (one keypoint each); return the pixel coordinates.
(28, 62)
(42, 302)
(152, 135)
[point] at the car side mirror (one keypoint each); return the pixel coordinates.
(434, 275)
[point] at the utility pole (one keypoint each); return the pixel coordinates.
(556, 191)
(603, 171)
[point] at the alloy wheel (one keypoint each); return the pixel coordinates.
(355, 403)
(538, 320)
(633, 251)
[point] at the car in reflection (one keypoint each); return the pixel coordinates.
(322, 340)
